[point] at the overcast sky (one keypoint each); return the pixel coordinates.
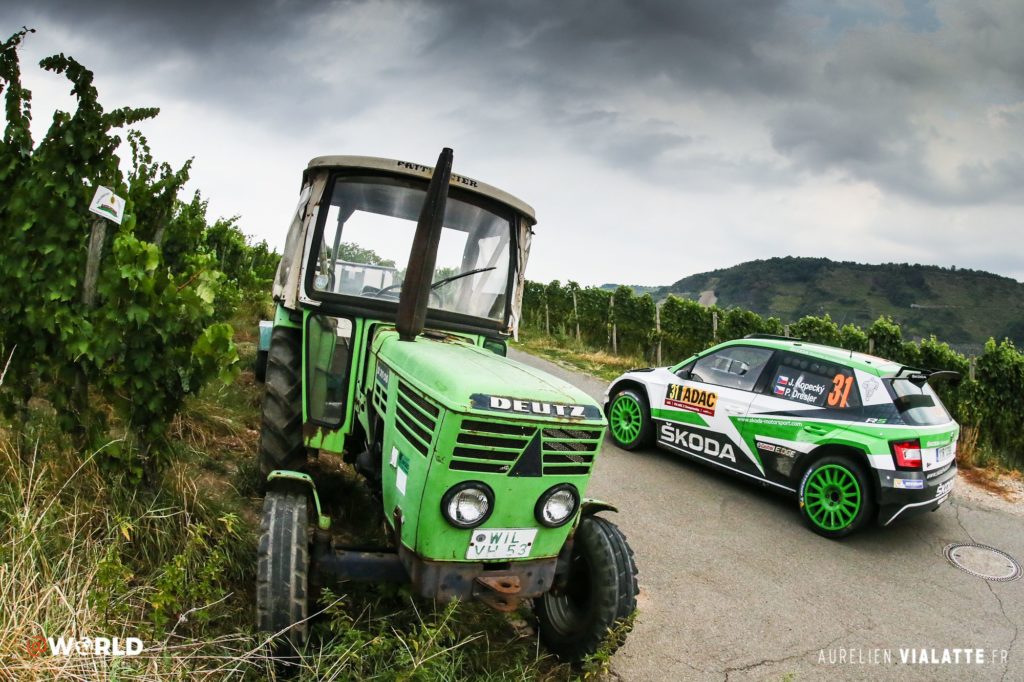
(655, 138)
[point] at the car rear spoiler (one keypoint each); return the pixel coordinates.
(920, 377)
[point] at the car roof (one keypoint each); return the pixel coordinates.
(418, 170)
(862, 361)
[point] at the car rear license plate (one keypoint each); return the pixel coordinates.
(937, 457)
(500, 543)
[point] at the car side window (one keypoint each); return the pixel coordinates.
(732, 367)
(812, 381)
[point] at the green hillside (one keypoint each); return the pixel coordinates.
(958, 306)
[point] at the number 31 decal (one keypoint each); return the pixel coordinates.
(841, 385)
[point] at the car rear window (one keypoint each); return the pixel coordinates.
(917, 405)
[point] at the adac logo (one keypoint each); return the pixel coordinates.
(691, 399)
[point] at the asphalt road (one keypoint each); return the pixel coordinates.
(734, 587)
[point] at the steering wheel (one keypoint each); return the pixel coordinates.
(434, 297)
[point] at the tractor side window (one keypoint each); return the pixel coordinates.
(732, 367)
(328, 355)
(812, 381)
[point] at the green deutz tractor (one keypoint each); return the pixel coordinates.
(398, 288)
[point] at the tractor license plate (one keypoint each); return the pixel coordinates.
(500, 543)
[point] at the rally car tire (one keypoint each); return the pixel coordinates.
(281, 442)
(282, 570)
(629, 420)
(599, 595)
(835, 496)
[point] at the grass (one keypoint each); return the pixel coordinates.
(83, 555)
(567, 352)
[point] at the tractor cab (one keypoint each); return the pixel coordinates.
(397, 291)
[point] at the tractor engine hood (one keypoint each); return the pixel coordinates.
(467, 378)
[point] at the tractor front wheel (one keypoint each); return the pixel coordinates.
(282, 574)
(281, 443)
(598, 596)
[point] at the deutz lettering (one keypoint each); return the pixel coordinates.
(533, 407)
(691, 399)
(696, 443)
(500, 403)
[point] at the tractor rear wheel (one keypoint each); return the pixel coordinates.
(598, 596)
(281, 442)
(282, 574)
(259, 367)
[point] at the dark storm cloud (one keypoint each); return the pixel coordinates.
(703, 44)
(842, 88)
(183, 25)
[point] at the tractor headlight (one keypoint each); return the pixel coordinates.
(468, 504)
(557, 505)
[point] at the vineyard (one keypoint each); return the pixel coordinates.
(988, 402)
(129, 422)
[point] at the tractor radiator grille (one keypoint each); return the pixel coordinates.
(489, 447)
(380, 399)
(569, 452)
(495, 448)
(415, 418)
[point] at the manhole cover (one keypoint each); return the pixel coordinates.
(983, 561)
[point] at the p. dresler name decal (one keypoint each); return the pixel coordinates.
(537, 408)
(691, 399)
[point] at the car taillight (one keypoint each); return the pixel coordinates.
(907, 453)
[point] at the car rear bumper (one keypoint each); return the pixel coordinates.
(906, 493)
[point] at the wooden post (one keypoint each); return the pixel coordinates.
(972, 367)
(92, 263)
(657, 329)
(785, 330)
(871, 345)
(615, 331)
(92, 274)
(714, 325)
(547, 319)
(576, 314)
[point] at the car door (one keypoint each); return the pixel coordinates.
(804, 403)
(702, 407)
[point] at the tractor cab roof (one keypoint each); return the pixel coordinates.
(417, 170)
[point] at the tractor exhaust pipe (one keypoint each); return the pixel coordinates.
(412, 304)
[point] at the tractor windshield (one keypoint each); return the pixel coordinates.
(369, 229)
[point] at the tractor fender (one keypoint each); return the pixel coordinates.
(297, 478)
(591, 506)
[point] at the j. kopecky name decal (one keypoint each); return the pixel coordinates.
(691, 399)
(499, 403)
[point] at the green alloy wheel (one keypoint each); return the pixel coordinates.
(834, 497)
(629, 420)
